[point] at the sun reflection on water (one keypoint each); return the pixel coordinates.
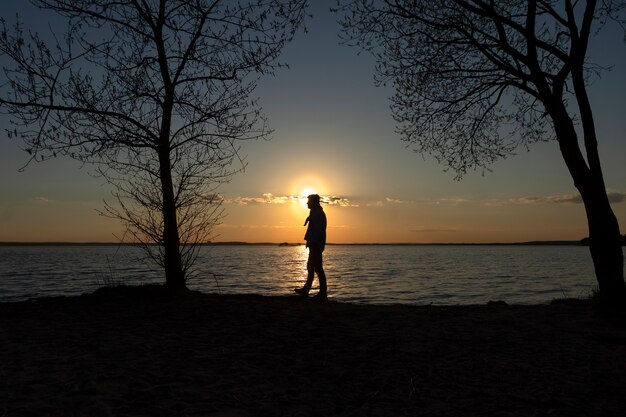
(362, 274)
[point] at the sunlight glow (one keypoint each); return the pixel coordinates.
(304, 185)
(305, 193)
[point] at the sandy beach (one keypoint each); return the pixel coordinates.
(136, 353)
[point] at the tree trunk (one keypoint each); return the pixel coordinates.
(605, 243)
(605, 239)
(174, 274)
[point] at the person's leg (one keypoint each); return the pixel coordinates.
(310, 267)
(322, 278)
(319, 270)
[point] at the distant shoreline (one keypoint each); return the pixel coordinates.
(236, 243)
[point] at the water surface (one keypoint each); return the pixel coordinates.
(375, 274)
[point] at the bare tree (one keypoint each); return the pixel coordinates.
(156, 93)
(476, 79)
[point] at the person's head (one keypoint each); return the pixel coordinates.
(313, 201)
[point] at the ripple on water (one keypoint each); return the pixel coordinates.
(361, 274)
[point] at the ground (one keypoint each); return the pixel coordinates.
(143, 353)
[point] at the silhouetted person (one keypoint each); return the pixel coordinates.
(316, 241)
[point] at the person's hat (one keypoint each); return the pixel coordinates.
(314, 198)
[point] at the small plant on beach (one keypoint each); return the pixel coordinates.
(108, 278)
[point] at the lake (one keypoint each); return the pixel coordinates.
(370, 274)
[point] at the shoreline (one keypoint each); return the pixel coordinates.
(141, 352)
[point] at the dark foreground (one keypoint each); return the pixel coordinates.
(135, 354)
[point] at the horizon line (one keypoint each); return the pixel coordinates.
(234, 243)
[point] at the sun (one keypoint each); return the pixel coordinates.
(304, 194)
(304, 185)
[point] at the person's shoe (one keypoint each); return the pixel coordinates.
(301, 291)
(320, 297)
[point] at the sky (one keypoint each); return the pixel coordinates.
(334, 135)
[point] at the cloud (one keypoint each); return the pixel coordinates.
(269, 198)
(387, 202)
(338, 201)
(614, 197)
(450, 201)
(519, 201)
(526, 200)
(434, 230)
(567, 198)
(396, 201)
